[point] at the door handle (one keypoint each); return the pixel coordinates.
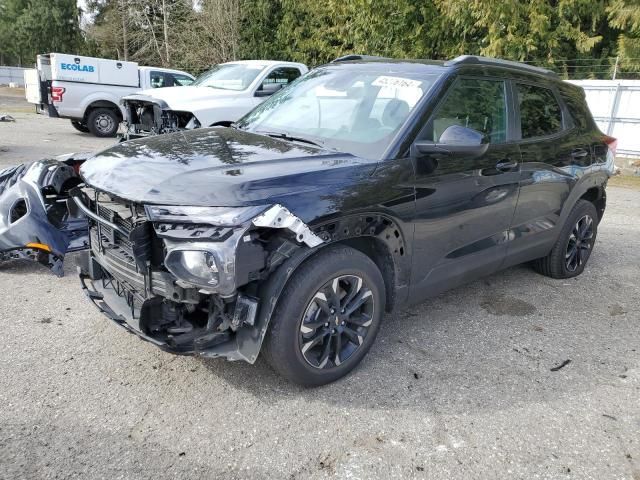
(506, 165)
(579, 153)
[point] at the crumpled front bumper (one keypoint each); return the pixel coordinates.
(113, 300)
(34, 235)
(109, 302)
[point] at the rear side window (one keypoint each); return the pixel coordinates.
(578, 109)
(540, 113)
(476, 104)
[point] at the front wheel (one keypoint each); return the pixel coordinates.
(572, 250)
(327, 317)
(81, 127)
(103, 122)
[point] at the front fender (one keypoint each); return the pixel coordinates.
(367, 227)
(221, 110)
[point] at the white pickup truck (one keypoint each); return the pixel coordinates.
(219, 96)
(88, 90)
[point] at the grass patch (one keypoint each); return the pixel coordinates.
(626, 181)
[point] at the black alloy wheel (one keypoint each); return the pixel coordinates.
(580, 243)
(574, 244)
(336, 321)
(327, 316)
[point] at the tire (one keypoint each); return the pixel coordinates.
(81, 127)
(561, 261)
(103, 122)
(300, 306)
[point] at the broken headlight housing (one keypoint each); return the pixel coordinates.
(198, 267)
(216, 216)
(199, 256)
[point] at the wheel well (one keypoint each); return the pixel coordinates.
(377, 251)
(598, 197)
(225, 123)
(102, 104)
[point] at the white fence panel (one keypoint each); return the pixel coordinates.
(615, 106)
(11, 75)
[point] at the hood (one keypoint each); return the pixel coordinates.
(175, 96)
(220, 167)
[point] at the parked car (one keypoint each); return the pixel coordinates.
(88, 90)
(218, 97)
(363, 188)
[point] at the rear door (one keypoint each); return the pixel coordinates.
(555, 154)
(464, 206)
(32, 86)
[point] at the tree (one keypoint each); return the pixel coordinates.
(625, 16)
(31, 27)
(212, 36)
(144, 31)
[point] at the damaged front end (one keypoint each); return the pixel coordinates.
(146, 116)
(34, 221)
(186, 278)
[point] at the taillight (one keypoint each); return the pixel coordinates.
(612, 143)
(56, 94)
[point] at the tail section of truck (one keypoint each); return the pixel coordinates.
(60, 82)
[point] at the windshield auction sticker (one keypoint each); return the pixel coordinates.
(395, 82)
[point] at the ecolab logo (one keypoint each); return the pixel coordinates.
(76, 67)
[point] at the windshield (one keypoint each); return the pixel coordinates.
(229, 76)
(351, 110)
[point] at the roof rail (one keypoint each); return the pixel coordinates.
(355, 57)
(498, 62)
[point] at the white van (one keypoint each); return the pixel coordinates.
(88, 90)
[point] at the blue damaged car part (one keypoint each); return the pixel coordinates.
(34, 220)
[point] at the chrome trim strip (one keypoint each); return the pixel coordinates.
(99, 219)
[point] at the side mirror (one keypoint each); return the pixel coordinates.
(455, 140)
(268, 89)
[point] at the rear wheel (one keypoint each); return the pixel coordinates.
(327, 317)
(103, 122)
(81, 127)
(572, 250)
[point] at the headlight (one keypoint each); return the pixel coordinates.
(198, 267)
(217, 216)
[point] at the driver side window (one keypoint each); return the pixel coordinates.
(472, 103)
(283, 76)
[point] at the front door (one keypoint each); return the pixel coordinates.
(465, 203)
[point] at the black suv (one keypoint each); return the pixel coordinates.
(363, 187)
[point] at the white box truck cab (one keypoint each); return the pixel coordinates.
(88, 90)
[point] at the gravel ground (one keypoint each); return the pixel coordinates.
(33, 136)
(464, 386)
